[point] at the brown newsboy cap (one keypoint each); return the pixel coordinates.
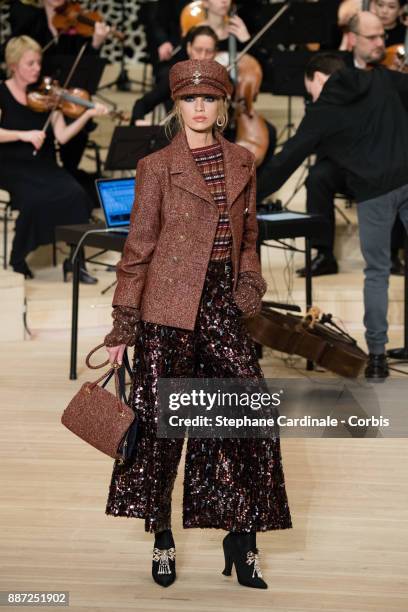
(199, 77)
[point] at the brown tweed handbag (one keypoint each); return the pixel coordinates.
(101, 418)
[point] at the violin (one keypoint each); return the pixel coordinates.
(71, 102)
(71, 17)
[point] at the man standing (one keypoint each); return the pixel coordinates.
(366, 37)
(358, 122)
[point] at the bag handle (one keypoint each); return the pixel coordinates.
(113, 371)
(107, 362)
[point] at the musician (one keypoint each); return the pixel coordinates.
(163, 34)
(201, 45)
(45, 194)
(177, 299)
(357, 120)
(37, 22)
(217, 18)
(325, 179)
(389, 12)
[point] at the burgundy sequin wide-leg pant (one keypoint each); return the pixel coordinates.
(232, 484)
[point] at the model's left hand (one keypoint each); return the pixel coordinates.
(101, 32)
(237, 27)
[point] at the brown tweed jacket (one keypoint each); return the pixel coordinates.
(172, 228)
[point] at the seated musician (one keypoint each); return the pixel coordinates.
(37, 22)
(203, 43)
(326, 179)
(45, 194)
(389, 12)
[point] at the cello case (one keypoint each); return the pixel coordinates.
(319, 340)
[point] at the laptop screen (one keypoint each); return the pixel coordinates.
(116, 197)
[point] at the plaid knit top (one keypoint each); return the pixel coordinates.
(210, 162)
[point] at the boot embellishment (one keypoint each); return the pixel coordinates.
(163, 556)
(253, 558)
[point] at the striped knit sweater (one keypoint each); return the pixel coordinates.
(210, 162)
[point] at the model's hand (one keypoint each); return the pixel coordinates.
(101, 32)
(36, 137)
(238, 28)
(142, 122)
(98, 110)
(165, 50)
(116, 353)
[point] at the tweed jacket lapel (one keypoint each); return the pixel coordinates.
(187, 176)
(184, 171)
(237, 169)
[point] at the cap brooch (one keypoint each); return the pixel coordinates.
(196, 77)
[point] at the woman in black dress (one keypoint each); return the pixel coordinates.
(45, 194)
(59, 51)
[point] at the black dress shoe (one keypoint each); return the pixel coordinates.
(397, 267)
(377, 368)
(240, 549)
(84, 276)
(164, 558)
(321, 264)
(22, 268)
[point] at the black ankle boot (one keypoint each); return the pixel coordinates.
(240, 549)
(164, 558)
(377, 368)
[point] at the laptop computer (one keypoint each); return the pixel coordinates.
(116, 197)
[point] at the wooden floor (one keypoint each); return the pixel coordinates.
(347, 551)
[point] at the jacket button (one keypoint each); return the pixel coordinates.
(175, 258)
(187, 215)
(182, 237)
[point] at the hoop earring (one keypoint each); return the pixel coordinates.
(221, 121)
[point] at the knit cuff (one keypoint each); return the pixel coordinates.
(125, 326)
(248, 294)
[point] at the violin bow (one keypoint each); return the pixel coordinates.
(65, 85)
(257, 36)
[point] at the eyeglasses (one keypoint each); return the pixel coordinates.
(373, 36)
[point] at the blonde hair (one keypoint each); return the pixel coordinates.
(174, 123)
(15, 49)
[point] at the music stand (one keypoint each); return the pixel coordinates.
(131, 143)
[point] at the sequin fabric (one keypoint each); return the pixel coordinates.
(232, 484)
